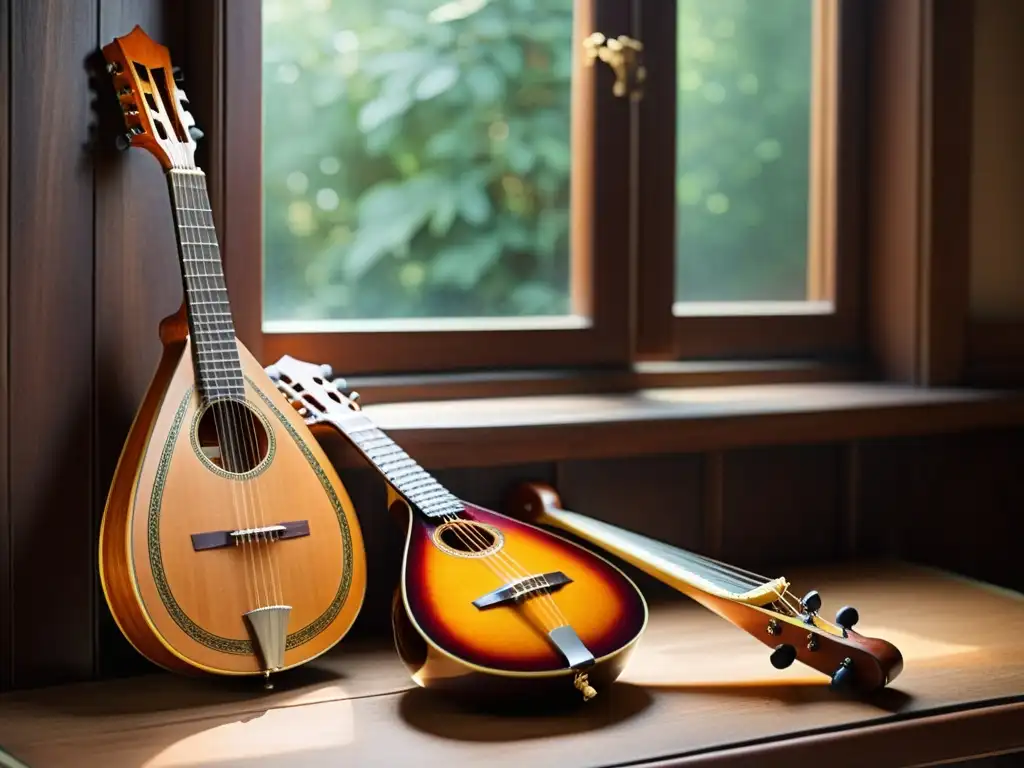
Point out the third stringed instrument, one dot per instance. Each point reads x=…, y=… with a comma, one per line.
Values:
x=486, y=604
x=228, y=543
x=763, y=607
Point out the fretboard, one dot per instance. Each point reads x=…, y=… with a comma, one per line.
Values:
x=406, y=476
x=211, y=330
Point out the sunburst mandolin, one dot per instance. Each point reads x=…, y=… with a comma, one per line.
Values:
x=487, y=606
x=765, y=608
x=228, y=543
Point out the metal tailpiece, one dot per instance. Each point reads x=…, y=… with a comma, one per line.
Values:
x=270, y=629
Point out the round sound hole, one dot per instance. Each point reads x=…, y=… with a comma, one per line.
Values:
x=467, y=538
x=232, y=438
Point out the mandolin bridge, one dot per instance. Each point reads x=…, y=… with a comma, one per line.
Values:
x=262, y=534
x=520, y=588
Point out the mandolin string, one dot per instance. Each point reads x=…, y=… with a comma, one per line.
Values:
x=554, y=612
x=229, y=447
x=247, y=427
x=501, y=567
x=196, y=311
x=510, y=566
x=224, y=441
x=737, y=576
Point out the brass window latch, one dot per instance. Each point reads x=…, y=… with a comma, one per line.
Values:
x=622, y=54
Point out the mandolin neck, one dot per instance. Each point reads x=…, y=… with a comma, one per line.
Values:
x=417, y=486
x=689, y=573
x=218, y=368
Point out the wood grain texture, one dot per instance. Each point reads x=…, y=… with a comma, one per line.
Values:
x=696, y=689
x=138, y=283
x=896, y=112
x=5, y=636
x=920, y=193
x=947, y=177
x=782, y=505
x=5, y=180
x=51, y=309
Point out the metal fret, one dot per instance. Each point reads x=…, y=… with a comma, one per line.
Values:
x=407, y=477
x=215, y=354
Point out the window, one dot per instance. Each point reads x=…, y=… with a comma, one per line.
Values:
x=750, y=237
x=457, y=185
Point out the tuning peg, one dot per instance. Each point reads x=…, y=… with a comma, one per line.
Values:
x=113, y=68
x=195, y=133
x=326, y=372
x=354, y=397
x=273, y=372
x=124, y=141
x=783, y=656
x=842, y=678
x=130, y=110
x=124, y=90
x=340, y=384
x=811, y=602
x=847, y=616
x=178, y=76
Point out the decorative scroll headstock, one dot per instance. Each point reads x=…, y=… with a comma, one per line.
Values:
x=312, y=390
x=152, y=103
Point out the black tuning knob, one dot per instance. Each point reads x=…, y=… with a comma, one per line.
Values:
x=178, y=77
x=783, y=656
x=195, y=133
x=123, y=141
x=847, y=616
x=842, y=678
x=811, y=602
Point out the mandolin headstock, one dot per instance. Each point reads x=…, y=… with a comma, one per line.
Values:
x=312, y=390
x=151, y=101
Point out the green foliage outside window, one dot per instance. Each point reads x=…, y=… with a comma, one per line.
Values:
x=417, y=155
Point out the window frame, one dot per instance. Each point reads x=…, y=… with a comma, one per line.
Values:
x=827, y=326
x=601, y=282
x=904, y=239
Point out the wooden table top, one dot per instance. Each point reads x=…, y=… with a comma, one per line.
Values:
x=697, y=692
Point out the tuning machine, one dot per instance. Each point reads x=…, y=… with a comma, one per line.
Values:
x=810, y=604
x=847, y=616
x=124, y=141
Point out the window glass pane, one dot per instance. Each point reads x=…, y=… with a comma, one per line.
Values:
x=416, y=158
x=744, y=122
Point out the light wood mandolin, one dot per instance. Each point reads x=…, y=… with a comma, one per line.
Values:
x=486, y=605
x=228, y=543
x=763, y=607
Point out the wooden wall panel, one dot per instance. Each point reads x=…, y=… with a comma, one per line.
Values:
x=953, y=502
x=51, y=311
x=138, y=282
x=5, y=521
x=782, y=506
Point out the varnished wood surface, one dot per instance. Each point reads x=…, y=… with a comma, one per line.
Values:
x=321, y=576
x=489, y=431
x=50, y=314
x=697, y=692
